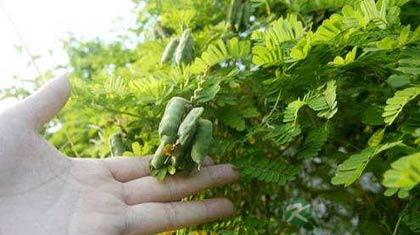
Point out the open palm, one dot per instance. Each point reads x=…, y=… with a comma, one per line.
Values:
x=44, y=192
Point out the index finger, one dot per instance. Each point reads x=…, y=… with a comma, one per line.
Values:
x=149, y=189
x=149, y=218
x=125, y=169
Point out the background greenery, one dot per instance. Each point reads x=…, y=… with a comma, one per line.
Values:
x=311, y=99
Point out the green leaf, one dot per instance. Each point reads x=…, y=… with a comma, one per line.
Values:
x=390, y=191
x=325, y=103
x=376, y=138
x=329, y=29
x=397, y=81
x=291, y=112
x=387, y=44
x=314, y=142
x=263, y=169
x=128, y=154
x=372, y=116
x=338, y=60
x=284, y=133
x=410, y=216
x=221, y=51
x=301, y=49
x=136, y=149
x=404, y=36
x=267, y=57
x=350, y=56
x=209, y=92
x=250, y=112
x=416, y=35
x=397, y=102
x=352, y=168
x=404, y=173
x=270, y=51
x=235, y=121
x=403, y=193
x=375, y=13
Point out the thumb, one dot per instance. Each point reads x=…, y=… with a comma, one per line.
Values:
x=45, y=103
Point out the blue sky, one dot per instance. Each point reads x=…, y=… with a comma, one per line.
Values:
x=43, y=23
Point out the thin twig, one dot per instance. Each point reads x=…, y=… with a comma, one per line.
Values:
x=117, y=111
x=274, y=107
x=267, y=7
x=396, y=226
x=73, y=148
x=25, y=45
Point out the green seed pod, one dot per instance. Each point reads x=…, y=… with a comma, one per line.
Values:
x=171, y=119
x=159, y=31
x=231, y=14
x=184, y=52
x=117, y=145
x=186, y=133
x=247, y=13
x=169, y=51
x=202, y=141
x=238, y=18
x=180, y=153
x=159, y=158
x=187, y=128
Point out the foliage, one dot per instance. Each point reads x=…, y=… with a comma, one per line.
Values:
x=411, y=215
x=404, y=175
x=395, y=104
x=352, y=168
x=309, y=99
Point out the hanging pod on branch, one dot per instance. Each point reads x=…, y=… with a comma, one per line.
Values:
x=168, y=54
x=184, y=52
x=201, y=143
x=231, y=13
x=168, y=129
x=172, y=116
x=238, y=14
x=187, y=128
x=117, y=144
x=181, y=50
x=186, y=133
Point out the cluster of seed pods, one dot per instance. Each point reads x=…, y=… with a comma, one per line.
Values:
x=179, y=50
x=185, y=138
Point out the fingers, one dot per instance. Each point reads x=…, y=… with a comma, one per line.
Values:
x=44, y=104
x=151, y=218
x=149, y=189
x=125, y=169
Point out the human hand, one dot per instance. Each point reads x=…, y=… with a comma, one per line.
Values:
x=44, y=192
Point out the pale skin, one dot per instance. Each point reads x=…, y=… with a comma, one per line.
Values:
x=44, y=192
